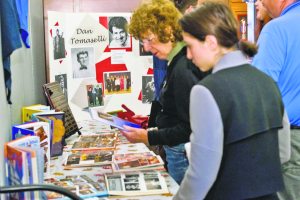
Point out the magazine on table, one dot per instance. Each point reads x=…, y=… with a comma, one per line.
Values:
x=103, y=141
x=134, y=161
x=89, y=158
x=56, y=121
x=136, y=183
x=84, y=186
x=111, y=119
x=40, y=129
x=24, y=163
x=131, y=148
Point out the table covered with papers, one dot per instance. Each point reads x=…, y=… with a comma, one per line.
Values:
x=101, y=164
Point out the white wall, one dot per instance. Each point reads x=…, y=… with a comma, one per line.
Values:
x=28, y=76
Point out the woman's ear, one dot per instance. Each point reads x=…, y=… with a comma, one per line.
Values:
x=211, y=42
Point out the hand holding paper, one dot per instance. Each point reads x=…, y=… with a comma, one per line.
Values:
x=135, y=135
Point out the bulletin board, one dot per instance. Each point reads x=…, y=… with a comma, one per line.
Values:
x=117, y=71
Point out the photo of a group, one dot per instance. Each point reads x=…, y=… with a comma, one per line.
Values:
x=117, y=82
x=95, y=95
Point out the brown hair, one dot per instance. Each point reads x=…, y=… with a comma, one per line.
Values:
x=216, y=18
x=156, y=16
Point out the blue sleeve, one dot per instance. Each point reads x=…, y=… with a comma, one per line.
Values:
x=271, y=51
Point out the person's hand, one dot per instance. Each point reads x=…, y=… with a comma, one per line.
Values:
x=135, y=135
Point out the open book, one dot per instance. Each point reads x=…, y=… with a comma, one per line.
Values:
x=111, y=119
x=82, y=185
x=89, y=158
x=136, y=161
x=105, y=141
x=136, y=183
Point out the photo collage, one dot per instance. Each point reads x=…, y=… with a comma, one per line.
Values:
x=136, y=183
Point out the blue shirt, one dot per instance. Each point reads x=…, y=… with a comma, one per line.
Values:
x=160, y=70
x=278, y=56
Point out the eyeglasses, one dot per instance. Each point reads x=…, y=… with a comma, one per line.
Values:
x=148, y=41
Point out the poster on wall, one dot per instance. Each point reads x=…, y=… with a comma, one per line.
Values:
x=94, y=51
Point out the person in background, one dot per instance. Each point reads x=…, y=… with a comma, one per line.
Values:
x=279, y=58
x=118, y=30
x=235, y=114
x=155, y=23
x=160, y=66
x=185, y=6
x=262, y=17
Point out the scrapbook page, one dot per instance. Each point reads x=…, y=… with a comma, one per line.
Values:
x=103, y=141
x=136, y=183
x=89, y=158
x=134, y=161
x=82, y=185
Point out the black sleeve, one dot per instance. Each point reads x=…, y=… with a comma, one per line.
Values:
x=183, y=79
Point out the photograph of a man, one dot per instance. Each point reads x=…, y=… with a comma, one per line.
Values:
x=62, y=80
x=118, y=37
x=147, y=89
x=59, y=45
x=83, y=62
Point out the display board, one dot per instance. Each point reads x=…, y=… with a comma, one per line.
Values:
x=97, y=62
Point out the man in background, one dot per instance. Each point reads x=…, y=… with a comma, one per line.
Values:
x=278, y=57
x=118, y=30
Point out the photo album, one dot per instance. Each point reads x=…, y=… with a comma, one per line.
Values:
x=136, y=183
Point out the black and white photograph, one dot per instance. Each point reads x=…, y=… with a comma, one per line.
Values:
x=114, y=183
x=83, y=63
x=131, y=180
x=58, y=44
x=143, y=52
x=153, y=184
x=118, y=34
x=117, y=82
x=62, y=80
x=132, y=186
x=148, y=89
x=95, y=95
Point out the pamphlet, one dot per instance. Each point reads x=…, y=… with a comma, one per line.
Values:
x=111, y=119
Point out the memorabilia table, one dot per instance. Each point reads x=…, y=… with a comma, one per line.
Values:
x=58, y=169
